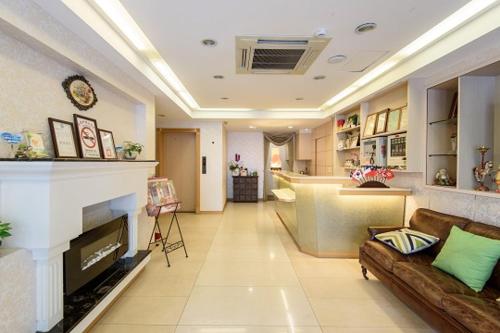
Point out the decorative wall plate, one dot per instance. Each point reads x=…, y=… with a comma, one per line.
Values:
x=80, y=92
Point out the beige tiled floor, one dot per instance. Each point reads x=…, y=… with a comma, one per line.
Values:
x=245, y=275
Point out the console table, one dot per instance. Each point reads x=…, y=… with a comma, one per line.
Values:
x=245, y=188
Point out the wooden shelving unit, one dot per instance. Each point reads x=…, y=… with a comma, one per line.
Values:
x=343, y=154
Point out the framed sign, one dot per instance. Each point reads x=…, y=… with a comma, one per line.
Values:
x=86, y=133
x=80, y=92
x=394, y=120
x=370, y=125
x=34, y=141
x=63, y=138
x=107, y=145
x=381, y=122
x=403, y=123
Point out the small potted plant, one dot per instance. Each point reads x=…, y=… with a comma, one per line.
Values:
x=132, y=150
x=235, y=168
x=5, y=229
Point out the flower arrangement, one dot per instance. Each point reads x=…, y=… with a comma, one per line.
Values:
x=132, y=149
x=372, y=176
x=233, y=165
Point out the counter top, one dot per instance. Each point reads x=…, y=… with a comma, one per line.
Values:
x=298, y=178
x=374, y=191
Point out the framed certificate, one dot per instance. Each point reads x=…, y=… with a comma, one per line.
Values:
x=63, y=138
x=370, y=125
x=394, y=120
x=381, y=122
x=86, y=133
x=107, y=145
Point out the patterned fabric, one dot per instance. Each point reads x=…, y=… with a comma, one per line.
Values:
x=407, y=241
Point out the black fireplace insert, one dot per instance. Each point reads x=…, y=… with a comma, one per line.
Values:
x=93, y=252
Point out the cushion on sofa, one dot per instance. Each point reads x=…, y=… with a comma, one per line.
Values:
x=407, y=241
x=430, y=282
x=477, y=314
x=436, y=224
x=489, y=231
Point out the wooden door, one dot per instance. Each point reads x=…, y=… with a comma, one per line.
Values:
x=179, y=164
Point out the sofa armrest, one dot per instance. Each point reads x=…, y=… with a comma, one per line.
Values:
x=373, y=231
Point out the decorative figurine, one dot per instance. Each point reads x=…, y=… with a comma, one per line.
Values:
x=483, y=170
x=442, y=178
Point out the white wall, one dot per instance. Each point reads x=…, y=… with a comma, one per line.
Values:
x=31, y=91
x=211, y=145
x=250, y=145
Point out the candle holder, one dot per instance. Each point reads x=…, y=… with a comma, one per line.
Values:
x=482, y=170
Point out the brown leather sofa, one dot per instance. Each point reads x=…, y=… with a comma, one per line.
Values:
x=444, y=302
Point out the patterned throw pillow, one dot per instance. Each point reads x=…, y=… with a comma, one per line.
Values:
x=407, y=241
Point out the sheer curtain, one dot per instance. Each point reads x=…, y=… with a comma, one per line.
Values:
x=278, y=140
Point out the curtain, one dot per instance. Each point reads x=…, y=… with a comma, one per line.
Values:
x=278, y=140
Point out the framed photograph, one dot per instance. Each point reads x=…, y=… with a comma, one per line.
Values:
x=79, y=92
x=34, y=140
x=394, y=120
x=63, y=138
x=381, y=122
x=403, y=123
x=86, y=133
x=107, y=145
x=370, y=125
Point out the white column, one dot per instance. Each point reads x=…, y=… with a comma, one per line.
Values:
x=133, y=232
x=49, y=286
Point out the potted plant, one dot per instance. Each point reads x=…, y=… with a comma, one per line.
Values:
x=132, y=150
x=5, y=229
x=235, y=168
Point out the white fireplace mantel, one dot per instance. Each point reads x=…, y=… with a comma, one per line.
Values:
x=44, y=201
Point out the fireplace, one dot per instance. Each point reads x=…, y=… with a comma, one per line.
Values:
x=93, y=252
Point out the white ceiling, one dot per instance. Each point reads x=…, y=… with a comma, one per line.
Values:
x=176, y=29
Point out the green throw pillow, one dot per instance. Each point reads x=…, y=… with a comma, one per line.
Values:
x=407, y=241
x=468, y=257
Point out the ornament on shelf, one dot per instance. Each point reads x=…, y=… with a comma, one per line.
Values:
x=442, y=178
x=372, y=177
x=482, y=170
x=11, y=139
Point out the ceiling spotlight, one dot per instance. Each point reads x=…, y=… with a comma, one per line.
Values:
x=365, y=27
x=319, y=77
x=299, y=98
x=290, y=127
x=218, y=77
x=224, y=98
x=252, y=127
x=337, y=59
x=208, y=42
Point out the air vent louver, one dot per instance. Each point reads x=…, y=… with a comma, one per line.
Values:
x=277, y=56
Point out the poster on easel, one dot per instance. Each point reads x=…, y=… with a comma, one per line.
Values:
x=161, y=193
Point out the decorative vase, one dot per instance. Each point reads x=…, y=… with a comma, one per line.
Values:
x=236, y=172
x=130, y=155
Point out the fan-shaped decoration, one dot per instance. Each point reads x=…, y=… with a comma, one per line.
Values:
x=372, y=177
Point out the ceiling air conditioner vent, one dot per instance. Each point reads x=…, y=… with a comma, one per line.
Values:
x=287, y=55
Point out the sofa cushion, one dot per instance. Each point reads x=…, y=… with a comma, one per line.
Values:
x=407, y=241
x=436, y=224
x=382, y=254
x=429, y=282
x=476, y=313
x=493, y=232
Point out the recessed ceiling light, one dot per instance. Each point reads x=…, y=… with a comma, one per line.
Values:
x=299, y=98
x=365, y=27
x=252, y=127
x=224, y=98
x=337, y=59
x=290, y=127
x=218, y=77
x=209, y=42
x=319, y=77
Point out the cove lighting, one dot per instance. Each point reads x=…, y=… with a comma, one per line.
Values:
x=115, y=11
x=450, y=23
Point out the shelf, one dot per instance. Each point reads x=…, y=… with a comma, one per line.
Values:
x=347, y=130
x=443, y=154
x=452, y=121
x=345, y=149
x=375, y=191
x=383, y=134
x=490, y=194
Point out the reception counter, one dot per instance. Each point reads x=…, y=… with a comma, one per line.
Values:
x=328, y=216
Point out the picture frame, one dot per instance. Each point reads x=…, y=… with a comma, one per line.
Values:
x=63, y=138
x=34, y=140
x=370, y=125
x=88, y=137
x=403, y=123
x=393, y=120
x=381, y=121
x=79, y=92
x=354, y=143
x=107, y=145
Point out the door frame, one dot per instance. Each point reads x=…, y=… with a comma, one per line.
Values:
x=160, y=156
